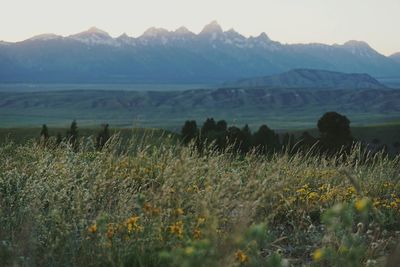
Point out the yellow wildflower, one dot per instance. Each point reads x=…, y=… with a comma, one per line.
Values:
x=241, y=257
x=312, y=196
x=318, y=254
x=201, y=220
x=197, y=233
x=361, y=204
x=110, y=230
x=376, y=202
x=132, y=224
x=93, y=228
x=189, y=250
x=179, y=211
x=177, y=229
x=301, y=191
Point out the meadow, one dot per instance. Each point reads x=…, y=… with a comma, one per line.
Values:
x=141, y=203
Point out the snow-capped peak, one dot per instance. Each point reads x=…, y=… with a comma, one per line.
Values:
x=45, y=37
x=94, y=36
x=93, y=31
x=96, y=31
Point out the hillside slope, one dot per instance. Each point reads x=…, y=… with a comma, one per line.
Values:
x=310, y=78
x=296, y=108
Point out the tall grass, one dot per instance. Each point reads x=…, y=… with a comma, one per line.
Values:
x=139, y=204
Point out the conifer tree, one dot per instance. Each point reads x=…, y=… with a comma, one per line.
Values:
x=102, y=137
x=72, y=135
x=44, y=134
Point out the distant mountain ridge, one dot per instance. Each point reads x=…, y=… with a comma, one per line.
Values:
x=310, y=78
x=161, y=56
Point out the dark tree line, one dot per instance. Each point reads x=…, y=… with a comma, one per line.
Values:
x=334, y=128
x=72, y=136
x=222, y=137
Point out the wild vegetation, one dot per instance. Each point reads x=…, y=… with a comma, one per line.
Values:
x=140, y=204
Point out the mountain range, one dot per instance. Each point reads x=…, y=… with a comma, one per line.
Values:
x=180, y=56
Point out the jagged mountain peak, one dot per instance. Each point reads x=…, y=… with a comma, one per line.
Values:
x=123, y=36
x=212, y=28
x=263, y=36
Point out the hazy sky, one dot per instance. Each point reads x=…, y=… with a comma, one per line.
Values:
x=289, y=21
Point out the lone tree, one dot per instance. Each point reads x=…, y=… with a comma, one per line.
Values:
x=102, y=137
x=44, y=134
x=189, y=131
x=72, y=135
x=335, y=132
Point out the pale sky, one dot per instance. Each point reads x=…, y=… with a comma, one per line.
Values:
x=288, y=21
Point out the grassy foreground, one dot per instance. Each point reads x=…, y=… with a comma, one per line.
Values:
x=165, y=205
